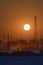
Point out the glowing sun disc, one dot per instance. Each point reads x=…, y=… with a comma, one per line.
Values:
x=26, y=27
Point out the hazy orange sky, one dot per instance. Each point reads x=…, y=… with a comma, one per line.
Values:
x=15, y=13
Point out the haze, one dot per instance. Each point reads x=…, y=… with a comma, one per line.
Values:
x=15, y=13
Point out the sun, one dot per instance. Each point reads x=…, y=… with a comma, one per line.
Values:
x=26, y=27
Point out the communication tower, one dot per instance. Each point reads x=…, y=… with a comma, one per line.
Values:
x=35, y=28
x=36, y=41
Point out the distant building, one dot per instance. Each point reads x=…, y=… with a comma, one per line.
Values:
x=41, y=43
x=11, y=45
x=23, y=42
x=1, y=42
x=1, y=45
x=8, y=45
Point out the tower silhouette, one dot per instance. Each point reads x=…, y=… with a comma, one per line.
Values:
x=36, y=41
x=35, y=29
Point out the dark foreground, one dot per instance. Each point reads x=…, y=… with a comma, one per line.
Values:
x=20, y=53
x=21, y=60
